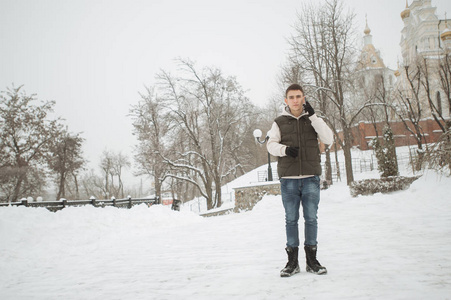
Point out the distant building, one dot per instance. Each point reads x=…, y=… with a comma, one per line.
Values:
x=372, y=76
x=423, y=35
x=371, y=62
x=422, y=31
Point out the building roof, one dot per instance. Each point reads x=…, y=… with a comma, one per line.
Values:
x=369, y=58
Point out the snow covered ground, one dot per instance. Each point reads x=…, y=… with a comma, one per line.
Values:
x=385, y=246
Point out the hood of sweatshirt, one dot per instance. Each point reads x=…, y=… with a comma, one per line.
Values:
x=286, y=112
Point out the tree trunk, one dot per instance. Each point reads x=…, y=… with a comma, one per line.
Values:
x=337, y=164
x=18, y=187
x=209, y=192
x=328, y=166
x=121, y=186
x=218, y=194
x=77, y=192
x=61, y=191
x=347, y=153
x=22, y=170
x=157, y=184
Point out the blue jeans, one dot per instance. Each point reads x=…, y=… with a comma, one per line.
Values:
x=295, y=192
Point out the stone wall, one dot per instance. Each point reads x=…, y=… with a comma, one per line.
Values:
x=246, y=197
x=217, y=213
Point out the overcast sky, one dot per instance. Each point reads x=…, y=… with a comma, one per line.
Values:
x=93, y=57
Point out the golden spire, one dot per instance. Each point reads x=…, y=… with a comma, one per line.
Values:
x=397, y=73
x=405, y=13
x=446, y=34
x=367, y=29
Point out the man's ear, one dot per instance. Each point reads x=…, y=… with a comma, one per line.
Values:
x=286, y=101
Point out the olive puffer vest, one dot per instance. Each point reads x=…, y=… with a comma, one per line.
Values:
x=299, y=133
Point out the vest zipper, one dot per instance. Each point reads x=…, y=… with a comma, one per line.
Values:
x=299, y=144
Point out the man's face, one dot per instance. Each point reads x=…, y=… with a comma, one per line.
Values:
x=295, y=101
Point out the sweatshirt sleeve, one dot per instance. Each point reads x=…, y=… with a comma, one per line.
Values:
x=325, y=134
x=273, y=145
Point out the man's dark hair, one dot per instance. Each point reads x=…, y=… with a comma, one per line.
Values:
x=294, y=87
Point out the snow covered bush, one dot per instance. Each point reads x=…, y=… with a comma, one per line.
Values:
x=382, y=185
x=438, y=156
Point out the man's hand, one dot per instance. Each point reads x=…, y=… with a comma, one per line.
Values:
x=309, y=109
x=292, y=151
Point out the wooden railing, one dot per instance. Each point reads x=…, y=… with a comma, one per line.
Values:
x=58, y=205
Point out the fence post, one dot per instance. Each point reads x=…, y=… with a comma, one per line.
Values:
x=24, y=202
x=176, y=204
x=129, y=201
x=64, y=202
x=93, y=200
x=114, y=201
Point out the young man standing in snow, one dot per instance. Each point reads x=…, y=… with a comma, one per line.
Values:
x=293, y=138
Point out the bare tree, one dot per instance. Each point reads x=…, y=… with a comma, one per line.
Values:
x=438, y=156
x=428, y=68
x=151, y=126
x=106, y=167
x=92, y=185
x=209, y=111
x=25, y=132
x=417, y=99
x=322, y=56
x=65, y=159
x=410, y=108
x=112, y=165
x=444, y=70
x=120, y=162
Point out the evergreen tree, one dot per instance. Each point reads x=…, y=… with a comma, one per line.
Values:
x=386, y=154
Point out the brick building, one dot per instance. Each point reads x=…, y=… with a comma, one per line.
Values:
x=364, y=132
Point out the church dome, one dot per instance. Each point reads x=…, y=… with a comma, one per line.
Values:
x=367, y=29
x=446, y=34
x=397, y=73
x=405, y=13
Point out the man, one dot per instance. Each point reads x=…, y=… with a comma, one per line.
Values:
x=293, y=138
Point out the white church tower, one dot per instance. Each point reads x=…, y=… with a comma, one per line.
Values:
x=425, y=35
x=370, y=57
x=422, y=31
x=370, y=67
x=445, y=36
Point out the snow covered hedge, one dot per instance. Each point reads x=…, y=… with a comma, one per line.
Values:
x=382, y=185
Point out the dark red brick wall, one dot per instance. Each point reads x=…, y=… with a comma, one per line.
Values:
x=363, y=133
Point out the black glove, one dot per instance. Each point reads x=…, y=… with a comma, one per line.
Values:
x=309, y=109
x=292, y=151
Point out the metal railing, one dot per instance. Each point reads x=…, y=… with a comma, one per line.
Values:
x=359, y=165
x=263, y=175
x=58, y=205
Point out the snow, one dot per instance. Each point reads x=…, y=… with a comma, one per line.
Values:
x=199, y=205
x=384, y=246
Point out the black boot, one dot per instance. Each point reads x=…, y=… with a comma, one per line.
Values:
x=313, y=265
x=292, y=266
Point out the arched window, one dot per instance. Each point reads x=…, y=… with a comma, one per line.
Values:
x=439, y=103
